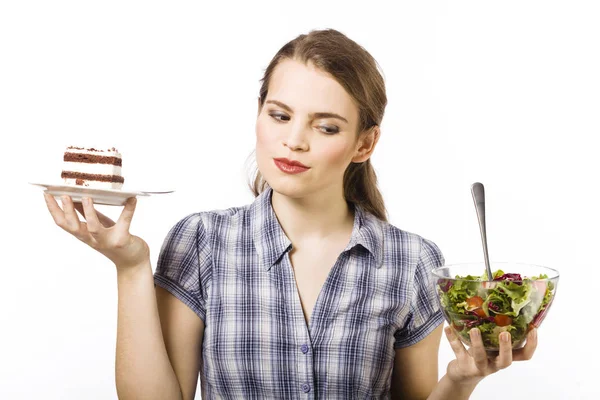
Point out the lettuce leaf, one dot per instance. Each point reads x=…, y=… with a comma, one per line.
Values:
x=518, y=294
x=454, y=299
x=501, y=304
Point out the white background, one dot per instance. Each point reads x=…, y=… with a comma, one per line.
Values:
x=506, y=93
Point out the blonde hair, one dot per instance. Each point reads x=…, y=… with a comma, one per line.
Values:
x=358, y=73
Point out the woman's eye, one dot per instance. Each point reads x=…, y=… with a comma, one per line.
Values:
x=327, y=129
x=330, y=130
x=280, y=117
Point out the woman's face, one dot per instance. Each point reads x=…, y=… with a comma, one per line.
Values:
x=307, y=117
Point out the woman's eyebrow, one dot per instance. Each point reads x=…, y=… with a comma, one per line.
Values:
x=315, y=115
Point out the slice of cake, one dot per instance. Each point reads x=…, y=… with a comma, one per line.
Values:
x=93, y=168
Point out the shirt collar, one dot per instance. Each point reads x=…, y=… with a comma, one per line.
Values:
x=367, y=232
x=272, y=243
x=270, y=240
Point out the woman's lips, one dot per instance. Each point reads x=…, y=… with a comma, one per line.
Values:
x=290, y=166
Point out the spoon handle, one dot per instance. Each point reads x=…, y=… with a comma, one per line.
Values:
x=478, y=193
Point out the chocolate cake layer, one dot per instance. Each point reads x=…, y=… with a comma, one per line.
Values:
x=92, y=159
x=92, y=177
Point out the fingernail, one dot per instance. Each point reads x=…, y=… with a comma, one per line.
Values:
x=504, y=337
x=475, y=332
x=65, y=198
x=85, y=200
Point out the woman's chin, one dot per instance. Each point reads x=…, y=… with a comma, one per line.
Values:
x=288, y=187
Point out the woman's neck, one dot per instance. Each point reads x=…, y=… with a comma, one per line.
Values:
x=312, y=219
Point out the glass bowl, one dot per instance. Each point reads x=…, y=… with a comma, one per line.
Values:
x=517, y=300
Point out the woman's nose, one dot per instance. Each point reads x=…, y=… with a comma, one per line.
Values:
x=297, y=139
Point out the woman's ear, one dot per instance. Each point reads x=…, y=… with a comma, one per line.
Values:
x=366, y=144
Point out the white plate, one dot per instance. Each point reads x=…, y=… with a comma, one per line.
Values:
x=111, y=197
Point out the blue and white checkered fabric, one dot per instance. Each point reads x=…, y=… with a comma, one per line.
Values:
x=232, y=268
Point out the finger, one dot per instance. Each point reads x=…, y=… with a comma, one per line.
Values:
x=83, y=234
x=127, y=213
x=478, y=350
x=505, y=357
x=457, y=347
x=104, y=220
x=526, y=353
x=71, y=216
x=56, y=212
x=93, y=224
x=74, y=227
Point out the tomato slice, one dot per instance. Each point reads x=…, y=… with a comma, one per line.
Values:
x=474, y=302
x=502, y=320
x=480, y=313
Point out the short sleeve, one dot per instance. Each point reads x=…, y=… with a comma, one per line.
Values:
x=184, y=263
x=425, y=314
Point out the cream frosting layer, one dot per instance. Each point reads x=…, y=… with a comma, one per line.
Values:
x=87, y=168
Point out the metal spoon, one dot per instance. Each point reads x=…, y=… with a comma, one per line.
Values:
x=479, y=199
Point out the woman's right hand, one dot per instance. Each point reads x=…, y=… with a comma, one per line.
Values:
x=111, y=239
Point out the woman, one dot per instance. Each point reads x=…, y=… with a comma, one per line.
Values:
x=308, y=292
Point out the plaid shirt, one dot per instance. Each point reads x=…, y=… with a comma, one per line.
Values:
x=232, y=268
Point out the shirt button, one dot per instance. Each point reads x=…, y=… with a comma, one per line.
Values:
x=304, y=348
x=305, y=388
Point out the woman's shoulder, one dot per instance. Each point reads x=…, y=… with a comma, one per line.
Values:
x=395, y=239
x=219, y=218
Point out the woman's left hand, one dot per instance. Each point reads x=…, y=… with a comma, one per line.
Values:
x=473, y=365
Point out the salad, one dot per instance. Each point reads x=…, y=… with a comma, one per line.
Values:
x=509, y=303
